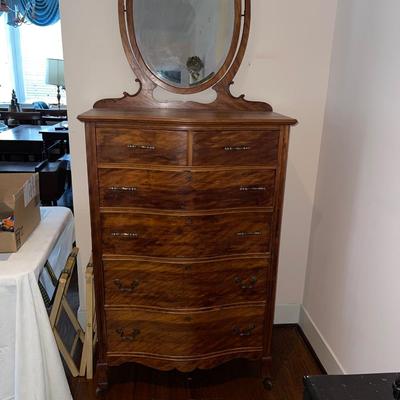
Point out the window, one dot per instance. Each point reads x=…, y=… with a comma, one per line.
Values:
x=24, y=67
x=6, y=74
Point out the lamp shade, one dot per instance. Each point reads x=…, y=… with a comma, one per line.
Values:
x=55, y=72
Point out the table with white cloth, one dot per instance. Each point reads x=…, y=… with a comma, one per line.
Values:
x=30, y=364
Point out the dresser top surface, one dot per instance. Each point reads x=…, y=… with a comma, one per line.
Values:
x=175, y=116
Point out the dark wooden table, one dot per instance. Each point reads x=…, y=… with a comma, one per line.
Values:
x=21, y=167
x=57, y=132
x=30, y=142
x=53, y=118
x=24, y=141
x=349, y=387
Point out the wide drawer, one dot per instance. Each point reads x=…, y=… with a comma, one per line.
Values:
x=186, y=190
x=236, y=148
x=184, y=334
x=186, y=285
x=161, y=235
x=124, y=145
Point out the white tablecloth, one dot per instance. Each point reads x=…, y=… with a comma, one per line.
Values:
x=30, y=364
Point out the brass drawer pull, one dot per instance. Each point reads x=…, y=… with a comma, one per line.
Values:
x=128, y=338
x=252, y=188
x=237, y=148
x=244, y=332
x=123, y=189
x=246, y=286
x=244, y=234
x=125, y=235
x=126, y=289
x=141, y=147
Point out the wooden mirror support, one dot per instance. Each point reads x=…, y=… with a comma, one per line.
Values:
x=221, y=82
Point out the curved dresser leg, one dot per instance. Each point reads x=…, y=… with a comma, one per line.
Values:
x=266, y=368
x=102, y=378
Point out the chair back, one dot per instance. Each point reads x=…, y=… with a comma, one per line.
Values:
x=24, y=118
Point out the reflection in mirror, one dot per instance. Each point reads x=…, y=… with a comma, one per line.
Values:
x=184, y=42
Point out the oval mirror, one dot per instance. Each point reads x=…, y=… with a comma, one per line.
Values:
x=185, y=44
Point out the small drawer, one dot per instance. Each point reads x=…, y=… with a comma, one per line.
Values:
x=209, y=235
x=124, y=145
x=184, y=334
x=236, y=148
x=188, y=285
x=186, y=190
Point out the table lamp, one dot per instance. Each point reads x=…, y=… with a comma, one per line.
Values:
x=55, y=75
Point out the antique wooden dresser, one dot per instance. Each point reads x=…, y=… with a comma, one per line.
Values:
x=186, y=205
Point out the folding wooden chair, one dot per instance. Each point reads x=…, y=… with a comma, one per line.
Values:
x=90, y=331
x=61, y=304
x=87, y=337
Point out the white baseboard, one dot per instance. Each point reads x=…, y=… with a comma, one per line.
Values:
x=287, y=314
x=319, y=344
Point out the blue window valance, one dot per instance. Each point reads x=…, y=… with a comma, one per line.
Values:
x=39, y=12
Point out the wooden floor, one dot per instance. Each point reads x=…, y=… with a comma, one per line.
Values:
x=236, y=380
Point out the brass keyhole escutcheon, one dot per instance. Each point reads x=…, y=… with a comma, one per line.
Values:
x=188, y=175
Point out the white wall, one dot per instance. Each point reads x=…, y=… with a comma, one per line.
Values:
x=352, y=295
x=287, y=64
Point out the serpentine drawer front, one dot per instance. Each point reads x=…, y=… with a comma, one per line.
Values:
x=189, y=335
x=186, y=285
x=210, y=235
x=187, y=189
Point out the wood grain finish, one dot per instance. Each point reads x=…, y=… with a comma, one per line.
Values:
x=191, y=335
x=186, y=285
x=175, y=118
x=186, y=190
x=132, y=145
x=186, y=236
x=236, y=148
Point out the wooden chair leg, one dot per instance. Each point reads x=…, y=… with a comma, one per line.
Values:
x=55, y=311
x=90, y=335
x=74, y=321
x=66, y=355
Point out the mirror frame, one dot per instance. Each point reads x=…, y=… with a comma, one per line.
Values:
x=131, y=33
x=221, y=83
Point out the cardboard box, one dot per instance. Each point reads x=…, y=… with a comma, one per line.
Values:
x=19, y=199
